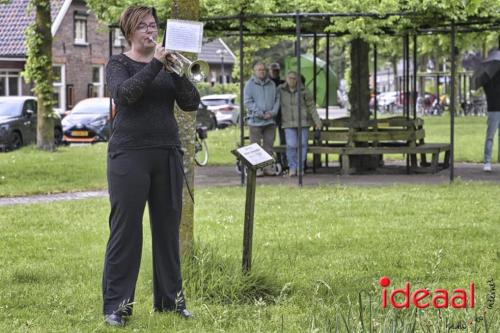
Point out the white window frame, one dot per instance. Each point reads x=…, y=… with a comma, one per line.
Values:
x=99, y=86
x=9, y=73
x=119, y=39
x=80, y=24
x=61, y=88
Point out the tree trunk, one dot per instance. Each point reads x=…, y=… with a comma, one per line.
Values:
x=394, y=64
x=422, y=68
x=187, y=10
x=359, y=94
x=44, y=89
x=359, y=97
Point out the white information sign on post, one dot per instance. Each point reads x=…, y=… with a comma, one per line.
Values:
x=184, y=36
x=254, y=154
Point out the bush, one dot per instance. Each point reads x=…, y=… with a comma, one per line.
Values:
x=205, y=88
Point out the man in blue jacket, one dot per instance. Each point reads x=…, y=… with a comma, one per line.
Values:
x=262, y=102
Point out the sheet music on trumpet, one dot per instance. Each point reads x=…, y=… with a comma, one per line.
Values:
x=184, y=36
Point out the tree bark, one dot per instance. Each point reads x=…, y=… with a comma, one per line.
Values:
x=44, y=93
x=359, y=94
x=422, y=68
x=359, y=98
x=187, y=10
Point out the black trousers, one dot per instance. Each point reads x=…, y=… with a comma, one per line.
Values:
x=135, y=177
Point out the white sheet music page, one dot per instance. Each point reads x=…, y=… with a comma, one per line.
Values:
x=254, y=154
x=184, y=36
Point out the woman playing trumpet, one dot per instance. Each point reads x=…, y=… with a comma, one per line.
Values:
x=182, y=66
x=144, y=165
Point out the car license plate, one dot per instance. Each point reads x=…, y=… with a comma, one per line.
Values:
x=79, y=133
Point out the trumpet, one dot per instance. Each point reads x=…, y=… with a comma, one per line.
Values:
x=195, y=71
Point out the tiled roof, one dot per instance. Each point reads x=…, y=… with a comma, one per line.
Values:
x=13, y=23
x=209, y=52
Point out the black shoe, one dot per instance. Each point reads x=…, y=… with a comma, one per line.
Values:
x=114, y=320
x=184, y=313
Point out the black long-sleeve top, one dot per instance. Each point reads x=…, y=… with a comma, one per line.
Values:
x=144, y=96
x=492, y=91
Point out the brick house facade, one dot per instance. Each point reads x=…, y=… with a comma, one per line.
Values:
x=79, y=52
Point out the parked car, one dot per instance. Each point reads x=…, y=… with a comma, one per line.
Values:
x=18, y=122
x=388, y=98
x=88, y=121
x=389, y=101
x=205, y=117
x=225, y=109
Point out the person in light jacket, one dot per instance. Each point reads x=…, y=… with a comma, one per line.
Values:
x=290, y=119
x=262, y=102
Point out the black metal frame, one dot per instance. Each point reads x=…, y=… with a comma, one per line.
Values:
x=473, y=24
x=447, y=27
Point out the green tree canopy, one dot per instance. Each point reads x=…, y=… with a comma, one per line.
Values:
x=373, y=30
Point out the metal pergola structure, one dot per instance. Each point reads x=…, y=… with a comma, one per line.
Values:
x=313, y=25
x=312, y=22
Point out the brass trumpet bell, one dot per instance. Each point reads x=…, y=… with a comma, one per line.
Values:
x=195, y=71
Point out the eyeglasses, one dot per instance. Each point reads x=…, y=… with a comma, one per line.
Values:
x=143, y=27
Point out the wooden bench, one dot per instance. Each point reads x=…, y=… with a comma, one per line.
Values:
x=427, y=148
x=337, y=135
x=395, y=135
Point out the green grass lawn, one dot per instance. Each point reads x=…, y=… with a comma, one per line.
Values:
x=314, y=251
x=470, y=133
x=78, y=168
x=69, y=169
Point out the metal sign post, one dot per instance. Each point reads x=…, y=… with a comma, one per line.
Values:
x=252, y=157
x=248, y=226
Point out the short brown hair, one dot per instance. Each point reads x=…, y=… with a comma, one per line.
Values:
x=132, y=17
x=258, y=63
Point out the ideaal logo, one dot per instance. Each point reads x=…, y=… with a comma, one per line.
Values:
x=423, y=298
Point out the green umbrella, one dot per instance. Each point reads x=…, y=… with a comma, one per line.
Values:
x=307, y=70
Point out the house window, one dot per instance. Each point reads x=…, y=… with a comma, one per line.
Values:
x=223, y=79
x=70, y=96
x=97, y=89
x=10, y=83
x=90, y=90
x=58, y=77
x=80, y=29
x=119, y=39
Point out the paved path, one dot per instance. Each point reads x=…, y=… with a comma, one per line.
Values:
x=395, y=173
x=51, y=197
x=227, y=176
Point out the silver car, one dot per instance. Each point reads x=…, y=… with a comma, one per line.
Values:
x=225, y=108
x=88, y=121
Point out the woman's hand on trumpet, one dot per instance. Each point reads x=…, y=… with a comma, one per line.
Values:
x=163, y=55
